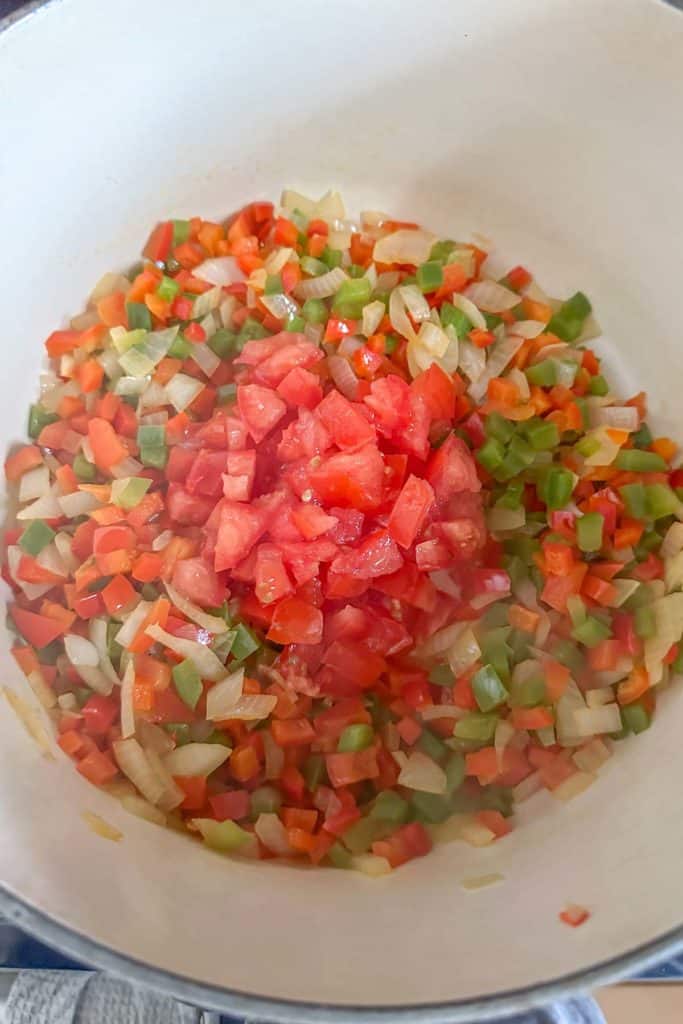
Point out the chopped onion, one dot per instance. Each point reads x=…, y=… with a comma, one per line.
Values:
x=491, y=296
x=422, y=774
x=528, y=328
x=36, y=483
x=182, y=390
x=600, y=696
x=272, y=834
x=504, y=733
x=321, y=287
x=573, y=786
x=173, y=795
x=592, y=757
x=622, y=417
x=432, y=338
x=252, y=708
x=673, y=541
x=593, y=721
x=415, y=302
x=314, y=333
x=607, y=449
x=131, y=385
x=668, y=613
x=209, y=325
x=387, y=281
x=444, y=582
x=207, y=360
x=501, y=520
x=203, y=659
x=80, y=503
x=42, y=691
x=569, y=703
x=196, y=759
x=98, y=637
x=31, y=720
x=277, y=259
x=280, y=306
x=464, y=651
x=80, y=651
x=433, y=711
x=222, y=698
x=407, y=245
x=501, y=352
x=373, y=314
x=527, y=787
x=226, y=310
x=127, y=709
x=330, y=207
x=475, y=834
x=219, y=270
x=291, y=201
x=32, y=590
x=440, y=641
x=212, y=623
x=130, y=628
x=371, y=865
x=521, y=382
x=135, y=764
x=274, y=757
x=466, y=306
x=348, y=345
x=63, y=544
x=162, y=541
x=625, y=589
x=400, y=320
x=370, y=274
x=107, y=285
x=46, y=507
x=142, y=808
x=481, y=881
x=68, y=702
x=472, y=359
x=343, y=376
x=101, y=827
x=126, y=468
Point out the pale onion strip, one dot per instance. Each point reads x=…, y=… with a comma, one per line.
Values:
x=134, y=763
x=422, y=774
x=107, y=285
x=343, y=376
x=36, y=482
x=481, y=881
x=504, y=733
x=467, y=307
x=252, y=707
x=101, y=827
x=206, y=302
x=49, y=506
x=600, y=696
x=621, y=417
x=32, y=590
x=527, y=328
x=527, y=787
x=445, y=584
x=400, y=320
x=207, y=360
x=321, y=287
x=502, y=520
x=492, y=297
x=274, y=757
x=126, y=468
x=204, y=660
x=668, y=612
x=440, y=641
x=432, y=338
x=127, y=709
x=273, y=835
x=172, y=795
x=196, y=759
x=415, y=302
x=521, y=382
x=31, y=720
x=373, y=313
x=475, y=834
x=142, y=808
x=131, y=626
x=63, y=545
x=407, y=245
x=592, y=721
x=277, y=259
x=212, y=623
x=182, y=390
x=573, y=786
x=280, y=306
x=592, y=757
x=223, y=697
x=472, y=359
x=434, y=711
x=162, y=541
x=371, y=865
x=464, y=651
x=42, y=691
x=68, y=702
x=501, y=352
x=673, y=541
x=80, y=503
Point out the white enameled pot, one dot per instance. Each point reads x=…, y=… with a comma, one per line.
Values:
x=554, y=127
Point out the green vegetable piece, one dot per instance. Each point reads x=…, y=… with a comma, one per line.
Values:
x=314, y=311
x=543, y=374
x=598, y=386
x=339, y=857
x=264, y=800
x=568, y=322
x=355, y=737
x=179, y=730
x=125, y=340
x=223, y=343
x=634, y=497
x=476, y=726
x=635, y=718
x=139, y=317
x=568, y=654
x=431, y=745
x=451, y=316
x=555, y=487
x=635, y=461
x=430, y=807
x=491, y=454
x=512, y=496
x=244, y=644
x=154, y=456
x=455, y=772
x=250, y=330
x=188, y=683
x=181, y=231
x=390, y=343
x=180, y=348
x=488, y=689
x=84, y=470
x=498, y=427
x=36, y=537
x=529, y=694
x=315, y=772
x=331, y=257
x=129, y=492
x=441, y=675
x=313, y=267
x=354, y=292
x=660, y=501
x=39, y=418
x=442, y=250
x=591, y=632
x=167, y=290
x=363, y=833
x=295, y=324
x=391, y=807
x=521, y=451
x=589, y=531
x=273, y=285
x=643, y=437
x=223, y=836
x=429, y=276
x=542, y=435
x=644, y=621
x=227, y=393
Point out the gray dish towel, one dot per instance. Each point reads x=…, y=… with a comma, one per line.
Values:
x=81, y=997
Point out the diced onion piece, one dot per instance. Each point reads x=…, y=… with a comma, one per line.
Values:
x=31, y=720
x=126, y=468
x=464, y=651
x=373, y=314
x=211, y=623
x=504, y=733
x=570, y=702
x=466, y=306
x=173, y=795
x=107, y=285
x=130, y=628
x=594, y=721
x=62, y=542
x=621, y=417
x=528, y=328
x=573, y=786
x=407, y=245
x=371, y=865
x=80, y=503
x=272, y=834
x=101, y=827
x=527, y=787
x=491, y=296
x=68, y=702
x=182, y=390
x=127, y=709
x=45, y=507
x=343, y=376
x=387, y=281
x=475, y=834
x=600, y=696
x=432, y=338
x=481, y=881
x=520, y=381
x=501, y=352
x=274, y=757
x=153, y=737
x=280, y=306
x=206, y=302
x=32, y=590
x=433, y=711
x=321, y=287
x=204, y=660
x=416, y=303
x=207, y=360
x=444, y=582
x=98, y=637
x=330, y=207
x=422, y=774
x=131, y=385
x=277, y=259
x=501, y=520
x=134, y=763
x=80, y=651
x=668, y=613
x=42, y=691
x=219, y=270
x=625, y=589
x=142, y=808
x=400, y=320
x=673, y=541
x=472, y=359
x=162, y=541
x=36, y=482
x=222, y=698
x=291, y=201
x=195, y=759
x=592, y=757
x=440, y=641
x=607, y=449
x=252, y=707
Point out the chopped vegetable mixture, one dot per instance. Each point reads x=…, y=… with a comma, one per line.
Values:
x=328, y=543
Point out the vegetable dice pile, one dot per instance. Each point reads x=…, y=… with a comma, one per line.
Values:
x=329, y=545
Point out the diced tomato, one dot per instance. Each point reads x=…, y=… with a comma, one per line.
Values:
x=350, y=479
x=204, y=477
x=198, y=582
x=451, y=469
x=345, y=769
x=410, y=511
x=260, y=408
x=296, y=622
x=300, y=387
x=345, y=422
x=231, y=806
x=405, y=844
x=99, y=714
x=239, y=528
x=438, y=391
x=377, y=555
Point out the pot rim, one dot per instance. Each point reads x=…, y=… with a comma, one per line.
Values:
x=45, y=928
